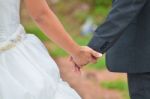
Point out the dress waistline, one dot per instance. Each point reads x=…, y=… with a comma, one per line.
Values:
x=14, y=39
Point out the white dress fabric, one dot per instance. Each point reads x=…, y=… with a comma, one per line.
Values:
x=26, y=69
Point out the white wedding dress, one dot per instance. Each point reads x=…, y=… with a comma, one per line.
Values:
x=26, y=69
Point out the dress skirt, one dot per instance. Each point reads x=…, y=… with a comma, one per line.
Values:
x=27, y=71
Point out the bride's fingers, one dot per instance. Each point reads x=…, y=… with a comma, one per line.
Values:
x=77, y=70
x=70, y=58
x=75, y=66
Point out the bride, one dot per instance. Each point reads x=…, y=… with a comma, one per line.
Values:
x=26, y=69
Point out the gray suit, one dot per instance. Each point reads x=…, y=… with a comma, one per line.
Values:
x=125, y=37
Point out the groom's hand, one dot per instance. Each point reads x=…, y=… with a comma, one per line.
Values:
x=84, y=56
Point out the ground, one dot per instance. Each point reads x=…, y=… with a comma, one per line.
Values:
x=88, y=83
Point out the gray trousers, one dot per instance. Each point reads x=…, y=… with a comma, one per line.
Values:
x=139, y=85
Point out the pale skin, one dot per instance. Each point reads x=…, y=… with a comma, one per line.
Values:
x=51, y=26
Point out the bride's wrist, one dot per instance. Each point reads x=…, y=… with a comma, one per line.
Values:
x=75, y=50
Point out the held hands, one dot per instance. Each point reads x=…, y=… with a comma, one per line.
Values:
x=84, y=56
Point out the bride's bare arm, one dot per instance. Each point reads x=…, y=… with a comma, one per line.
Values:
x=49, y=23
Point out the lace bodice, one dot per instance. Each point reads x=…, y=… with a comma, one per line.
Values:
x=9, y=18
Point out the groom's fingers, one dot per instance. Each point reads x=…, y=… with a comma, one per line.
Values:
x=96, y=54
x=93, y=60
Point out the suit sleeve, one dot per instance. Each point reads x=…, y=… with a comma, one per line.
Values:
x=120, y=16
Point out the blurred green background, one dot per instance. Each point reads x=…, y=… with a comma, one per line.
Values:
x=73, y=14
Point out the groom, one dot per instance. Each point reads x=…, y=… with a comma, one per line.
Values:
x=125, y=37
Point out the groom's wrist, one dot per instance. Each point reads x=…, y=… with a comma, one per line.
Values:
x=98, y=45
x=95, y=48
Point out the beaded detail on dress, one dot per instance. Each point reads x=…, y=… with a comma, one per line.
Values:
x=14, y=39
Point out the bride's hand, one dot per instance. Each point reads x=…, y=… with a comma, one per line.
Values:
x=84, y=56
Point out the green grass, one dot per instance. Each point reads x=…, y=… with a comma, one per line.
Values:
x=115, y=85
x=99, y=65
x=32, y=28
x=57, y=52
x=125, y=95
x=118, y=85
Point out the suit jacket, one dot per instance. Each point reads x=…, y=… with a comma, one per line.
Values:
x=125, y=37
